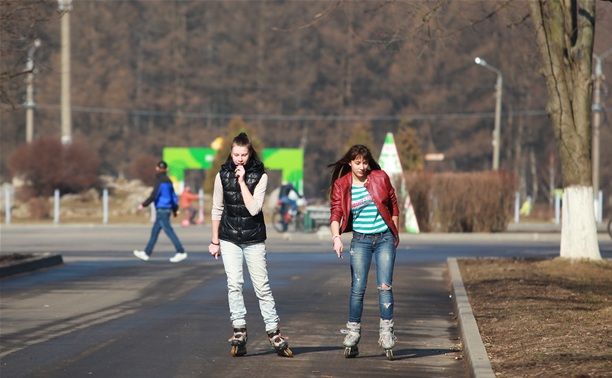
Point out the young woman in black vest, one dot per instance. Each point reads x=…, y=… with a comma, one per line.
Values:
x=238, y=234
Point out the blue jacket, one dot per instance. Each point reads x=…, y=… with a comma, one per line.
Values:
x=163, y=194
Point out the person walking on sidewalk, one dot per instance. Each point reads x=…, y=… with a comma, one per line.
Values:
x=363, y=201
x=166, y=202
x=238, y=234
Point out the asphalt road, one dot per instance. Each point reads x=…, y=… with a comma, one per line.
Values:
x=104, y=313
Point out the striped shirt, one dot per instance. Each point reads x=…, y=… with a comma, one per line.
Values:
x=366, y=218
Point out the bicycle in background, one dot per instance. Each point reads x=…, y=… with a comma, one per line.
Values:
x=284, y=221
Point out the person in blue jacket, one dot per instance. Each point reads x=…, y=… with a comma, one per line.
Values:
x=166, y=202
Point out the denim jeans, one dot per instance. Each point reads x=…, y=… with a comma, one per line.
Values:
x=363, y=248
x=233, y=260
x=162, y=221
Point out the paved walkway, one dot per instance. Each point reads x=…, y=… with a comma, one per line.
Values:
x=432, y=302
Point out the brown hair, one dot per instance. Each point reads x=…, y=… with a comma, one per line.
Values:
x=341, y=167
x=243, y=140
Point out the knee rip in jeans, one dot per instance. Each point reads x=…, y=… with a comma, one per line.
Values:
x=384, y=287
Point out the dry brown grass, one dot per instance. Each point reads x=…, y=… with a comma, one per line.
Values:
x=543, y=318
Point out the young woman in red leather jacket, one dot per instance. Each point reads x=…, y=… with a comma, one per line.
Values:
x=363, y=201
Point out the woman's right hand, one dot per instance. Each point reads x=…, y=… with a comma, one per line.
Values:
x=338, y=247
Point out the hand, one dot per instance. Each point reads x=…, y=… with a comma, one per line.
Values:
x=214, y=250
x=140, y=207
x=338, y=247
x=239, y=172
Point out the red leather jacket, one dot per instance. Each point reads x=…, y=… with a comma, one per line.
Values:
x=379, y=186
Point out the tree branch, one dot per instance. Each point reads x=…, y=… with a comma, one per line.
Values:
x=318, y=18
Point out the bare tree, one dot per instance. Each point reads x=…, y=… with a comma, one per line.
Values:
x=17, y=28
x=565, y=31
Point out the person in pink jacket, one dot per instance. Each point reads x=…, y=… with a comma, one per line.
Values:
x=363, y=201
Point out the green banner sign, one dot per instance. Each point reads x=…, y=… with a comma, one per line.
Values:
x=288, y=160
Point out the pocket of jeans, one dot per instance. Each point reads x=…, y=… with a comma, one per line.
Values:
x=389, y=238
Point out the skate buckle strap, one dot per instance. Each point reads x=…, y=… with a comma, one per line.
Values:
x=279, y=337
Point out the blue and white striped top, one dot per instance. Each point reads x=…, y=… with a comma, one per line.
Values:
x=366, y=218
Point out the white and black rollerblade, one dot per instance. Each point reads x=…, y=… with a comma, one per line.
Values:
x=387, y=338
x=353, y=334
x=238, y=341
x=279, y=343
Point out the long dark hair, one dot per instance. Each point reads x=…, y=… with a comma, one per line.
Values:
x=341, y=167
x=243, y=140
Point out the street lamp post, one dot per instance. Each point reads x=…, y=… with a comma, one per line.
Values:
x=65, y=6
x=29, y=104
x=597, y=110
x=498, y=104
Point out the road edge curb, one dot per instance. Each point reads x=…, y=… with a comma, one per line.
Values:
x=479, y=365
x=41, y=261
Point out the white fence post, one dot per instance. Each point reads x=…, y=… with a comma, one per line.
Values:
x=599, y=207
x=7, y=203
x=557, y=208
x=105, y=206
x=56, y=206
x=201, y=204
x=517, y=207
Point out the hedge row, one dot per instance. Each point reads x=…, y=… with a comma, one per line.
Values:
x=462, y=202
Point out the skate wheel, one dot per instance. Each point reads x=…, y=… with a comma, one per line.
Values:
x=238, y=351
x=287, y=353
x=389, y=354
x=351, y=352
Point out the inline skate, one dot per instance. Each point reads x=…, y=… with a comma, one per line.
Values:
x=238, y=341
x=279, y=343
x=387, y=338
x=353, y=334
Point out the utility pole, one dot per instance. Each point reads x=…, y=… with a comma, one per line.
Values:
x=597, y=110
x=498, y=105
x=65, y=6
x=29, y=105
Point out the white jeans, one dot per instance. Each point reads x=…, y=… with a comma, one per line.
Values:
x=255, y=256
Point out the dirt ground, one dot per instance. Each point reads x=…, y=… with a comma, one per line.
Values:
x=543, y=318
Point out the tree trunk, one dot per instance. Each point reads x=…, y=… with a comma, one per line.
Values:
x=565, y=33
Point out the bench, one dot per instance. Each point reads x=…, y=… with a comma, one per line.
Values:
x=316, y=216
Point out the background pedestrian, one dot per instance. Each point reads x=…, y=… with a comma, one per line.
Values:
x=166, y=202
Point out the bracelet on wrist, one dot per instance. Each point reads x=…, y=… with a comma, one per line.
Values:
x=335, y=236
x=213, y=243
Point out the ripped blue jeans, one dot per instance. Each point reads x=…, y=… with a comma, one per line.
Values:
x=363, y=248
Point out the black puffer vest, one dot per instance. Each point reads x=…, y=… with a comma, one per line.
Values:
x=237, y=225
